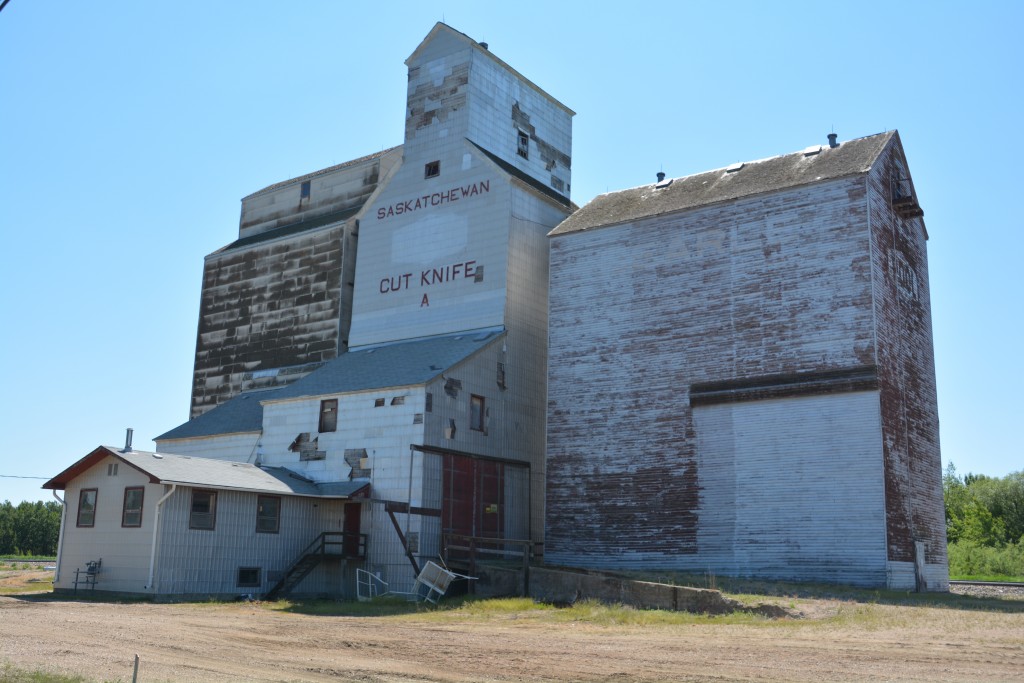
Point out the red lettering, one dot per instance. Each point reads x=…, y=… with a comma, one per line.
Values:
x=382, y=283
x=381, y=213
x=470, y=270
x=455, y=270
x=485, y=185
x=424, y=301
x=423, y=278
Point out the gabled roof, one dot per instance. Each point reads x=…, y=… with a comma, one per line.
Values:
x=442, y=28
x=300, y=226
x=526, y=178
x=241, y=414
x=390, y=365
x=166, y=468
x=812, y=165
x=322, y=171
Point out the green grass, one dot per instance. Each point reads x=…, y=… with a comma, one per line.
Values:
x=988, y=577
x=30, y=558
x=11, y=674
x=501, y=609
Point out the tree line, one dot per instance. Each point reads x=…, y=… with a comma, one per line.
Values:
x=29, y=528
x=984, y=524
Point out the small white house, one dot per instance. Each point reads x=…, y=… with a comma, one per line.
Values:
x=176, y=526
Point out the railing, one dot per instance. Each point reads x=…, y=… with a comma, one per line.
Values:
x=338, y=544
x=462, y=550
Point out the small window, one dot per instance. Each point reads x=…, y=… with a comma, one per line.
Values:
x=329, y=415
x=398, y=401
x=249, y=577
x=112, y=469
x=378, y=403
x=429, y=406
x=476, y=413
x=432, y=169
x=87, y=507
x=304, y=191
x=204, y=510
x=501, y=375
x=268, y=514
x=523, y=147
x=131, y=514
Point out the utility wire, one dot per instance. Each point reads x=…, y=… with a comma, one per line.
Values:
x=18, y=476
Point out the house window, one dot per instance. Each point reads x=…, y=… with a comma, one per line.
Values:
x=523, y=148
x=87, y=507
x=131, y=514
x=432, y=169
x=249, y=577
x=304, y=191
x=204, y=510
x=329, y=415
x=476, y=413
x=268, y=514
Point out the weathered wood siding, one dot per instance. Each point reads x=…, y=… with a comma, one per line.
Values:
x=266, y=306
x=770, y=285
x=906, y=372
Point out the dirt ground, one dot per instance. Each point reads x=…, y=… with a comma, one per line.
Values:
x=966, y=639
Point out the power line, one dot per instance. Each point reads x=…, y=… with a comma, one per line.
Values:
x=18, y=476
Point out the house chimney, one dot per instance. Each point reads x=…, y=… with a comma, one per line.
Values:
x=128, y=440
x=832, y=140
x=661, y=176
x=483, y=44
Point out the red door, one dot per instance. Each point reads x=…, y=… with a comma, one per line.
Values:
x=351, y=524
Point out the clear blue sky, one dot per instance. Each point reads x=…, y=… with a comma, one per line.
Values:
x=129, y=131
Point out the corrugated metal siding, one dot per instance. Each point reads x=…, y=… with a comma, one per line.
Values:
x=906, y=372
x=198, y=562
x=777, y=284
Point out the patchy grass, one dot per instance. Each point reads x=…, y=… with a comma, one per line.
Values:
x=16, y=582
x=11, y=674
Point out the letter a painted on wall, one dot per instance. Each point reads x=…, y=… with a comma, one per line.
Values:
x=425, y=301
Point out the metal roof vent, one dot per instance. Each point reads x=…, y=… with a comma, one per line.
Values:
x=662, y=183
x=483, y=44
x=812, y=150
x=128, y=441
x=832, y=137
x=735, y=167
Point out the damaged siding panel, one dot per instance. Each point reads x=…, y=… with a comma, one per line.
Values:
x=906, y=363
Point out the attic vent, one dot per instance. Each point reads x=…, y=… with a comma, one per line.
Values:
x=812, y=150
x=735, y=167
x=662, y=181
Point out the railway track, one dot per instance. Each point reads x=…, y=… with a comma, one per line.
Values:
x=993, y=584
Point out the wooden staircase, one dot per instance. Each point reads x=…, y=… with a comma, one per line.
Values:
x=329, y=544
